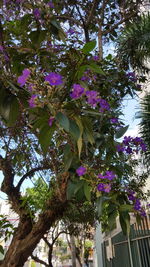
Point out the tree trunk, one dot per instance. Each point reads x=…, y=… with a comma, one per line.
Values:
x=73, y=250
x=50, y=256
x=27, y=236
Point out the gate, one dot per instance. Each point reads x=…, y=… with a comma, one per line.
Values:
x=120, y=251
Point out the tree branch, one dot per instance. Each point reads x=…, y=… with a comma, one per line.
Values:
x=94, y=6
x=100, y=33
x=84, y=25
x=35, y=258
x=30, y=174
x=65, y=17
x=118, y=23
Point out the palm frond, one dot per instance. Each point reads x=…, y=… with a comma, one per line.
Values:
x=145, y=126
x=134, y=43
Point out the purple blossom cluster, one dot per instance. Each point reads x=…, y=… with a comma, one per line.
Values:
x=104, y=187
x=95, y=58
x=50, y=4
x=54, y=79
x=137, y=203
x=77, y=92
x=32, y=101
x=92, y=97
x=81, y=171
x=114, y=120
x=23, y=78
x=37, y=13
x=131, y=145
x=109, y=175
x=132, y=77
x=104, y=106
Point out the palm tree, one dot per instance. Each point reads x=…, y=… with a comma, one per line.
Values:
x=145, y=126
x=134, y=44
x=134, y=51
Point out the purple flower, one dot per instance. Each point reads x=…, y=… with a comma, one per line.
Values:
x=50, y=121
x=137, y=205
x=77, y=92
x=96, y=58
x=103, y=105
x=26, y=73
x=143, y=213
x=85, y=78
x=131, y=76
x=30, y=87
x=100, y=176
x=129, y=150
x=137, y=140
x=71, y=31
x=92, y=97
x=131, y=195
x=54, y=78
x=107, y=188
x=127, y=140
x=32, y=103
x=114, y=120
x=143, y=146
x=50, y=4
x=110, y=175
x=100, y=187
x=1, y=48
x=22, y=79
x=120, y=148
x=36, y=13
x=81, y=171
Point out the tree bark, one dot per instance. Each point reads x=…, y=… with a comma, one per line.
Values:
x=73, y=250
x=50, y=256
x=27, y=236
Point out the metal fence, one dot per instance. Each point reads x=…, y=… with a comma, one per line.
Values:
x=120, y=251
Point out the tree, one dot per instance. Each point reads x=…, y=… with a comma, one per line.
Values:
x=52, y=121
x=76, y=222
x=134, y=44
x=134, y=49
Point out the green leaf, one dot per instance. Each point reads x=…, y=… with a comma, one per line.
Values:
x=80, y=140
x=45, y=136
x=70, y=190
x=96, y=68
x=126, y=207
x=74, y=129
x=88, y=47
x=79, y=145
x=121, y=132
x=124, y=218
x=68, y=157
x=87, y=191
x=1, y=250
x=14, y=111
x=63, y=121
x=88, y=130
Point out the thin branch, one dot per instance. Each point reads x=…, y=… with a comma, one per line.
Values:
x=94, y=6
x=100, y=24
x=84, y=24
x=30, y=174
x=64, y=17
x=35, y=258
x=118, y=23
